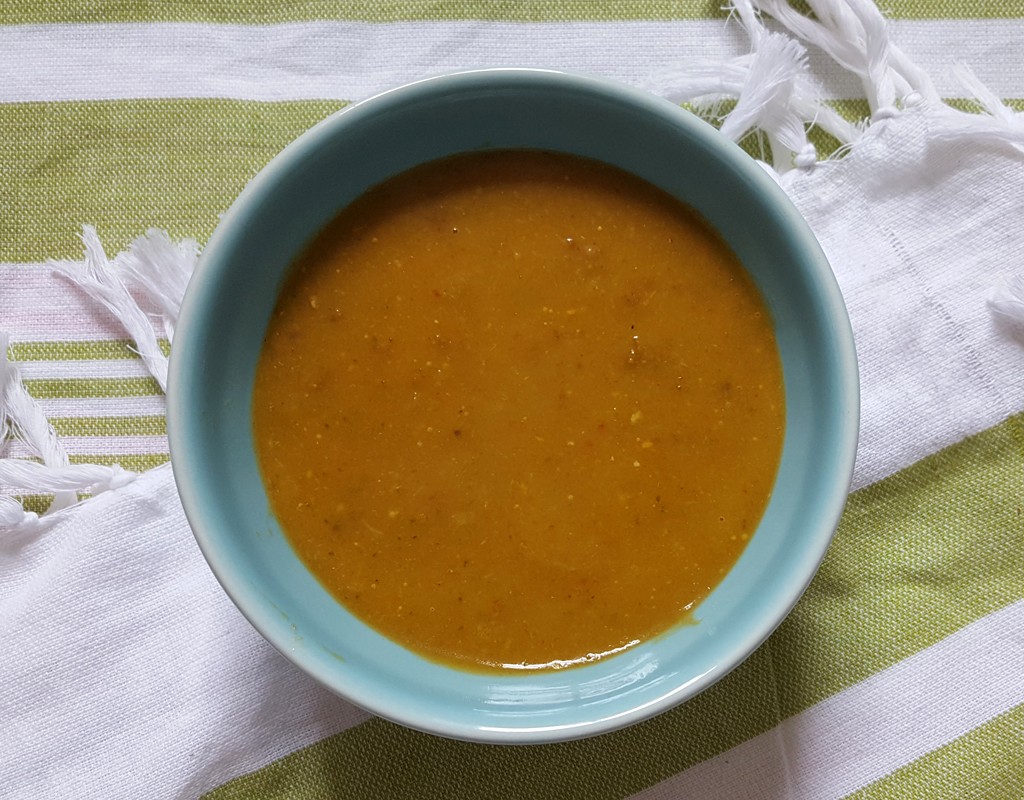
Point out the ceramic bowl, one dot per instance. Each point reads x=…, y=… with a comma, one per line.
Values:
x=234, y=289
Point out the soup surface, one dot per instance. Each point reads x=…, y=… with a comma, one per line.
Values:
x=519, y=410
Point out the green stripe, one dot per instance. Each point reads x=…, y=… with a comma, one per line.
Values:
x=97, y=350
x=917, y=557
x=971, y=106
x=948, y=9
x=988, y=763
x=126, y=166
x=133, y=462
x=39, y=503
x=856, y=108
x=110, y=426
x=852, y=109
x=55, y=388
x=953, y=9
x=25, y=11
x=20, y=11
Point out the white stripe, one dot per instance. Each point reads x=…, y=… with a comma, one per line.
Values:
x=118, y=368
x=341, y=60
x=36, y=304
x=352, y=60
x=99, y=445
x=990, y=48
x=869, y=730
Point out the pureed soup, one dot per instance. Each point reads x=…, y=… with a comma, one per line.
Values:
x=519, y=410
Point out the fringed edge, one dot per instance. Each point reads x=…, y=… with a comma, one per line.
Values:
x=772, y=87
x=153, y=270
x=152, y=273
x=774, y=92
x=158, y=269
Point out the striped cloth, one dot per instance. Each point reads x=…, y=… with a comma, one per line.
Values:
x=900, y=673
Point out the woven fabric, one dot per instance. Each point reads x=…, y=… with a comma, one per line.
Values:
x=126, y=671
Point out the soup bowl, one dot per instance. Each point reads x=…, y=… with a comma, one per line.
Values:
x=233, y=293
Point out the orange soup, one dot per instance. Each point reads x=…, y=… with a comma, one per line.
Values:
x=519, y=410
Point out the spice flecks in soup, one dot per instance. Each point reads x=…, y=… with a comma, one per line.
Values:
x=519, y=409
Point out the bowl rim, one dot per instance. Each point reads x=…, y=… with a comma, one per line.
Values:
x=179, y=426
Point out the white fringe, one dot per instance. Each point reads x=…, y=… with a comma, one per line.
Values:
x=159, y=270
x=30, y=476
x=997, y=122
x=1007, y=300
x=772, y=89
x=768, y=101
x=21, y=417
x=99, y=278
x=15, y=518
x=855, y=35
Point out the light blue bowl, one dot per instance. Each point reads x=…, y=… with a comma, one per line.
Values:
x=229, y=302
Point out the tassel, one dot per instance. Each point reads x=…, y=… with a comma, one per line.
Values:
x=22, y=475
x=98, y=278
x=22, y=417
x=15, y=518
x=772, y=90
x=998, y=122
x=854, y=34
x=159, y=270
x=765, y=99
x=1008, y=300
